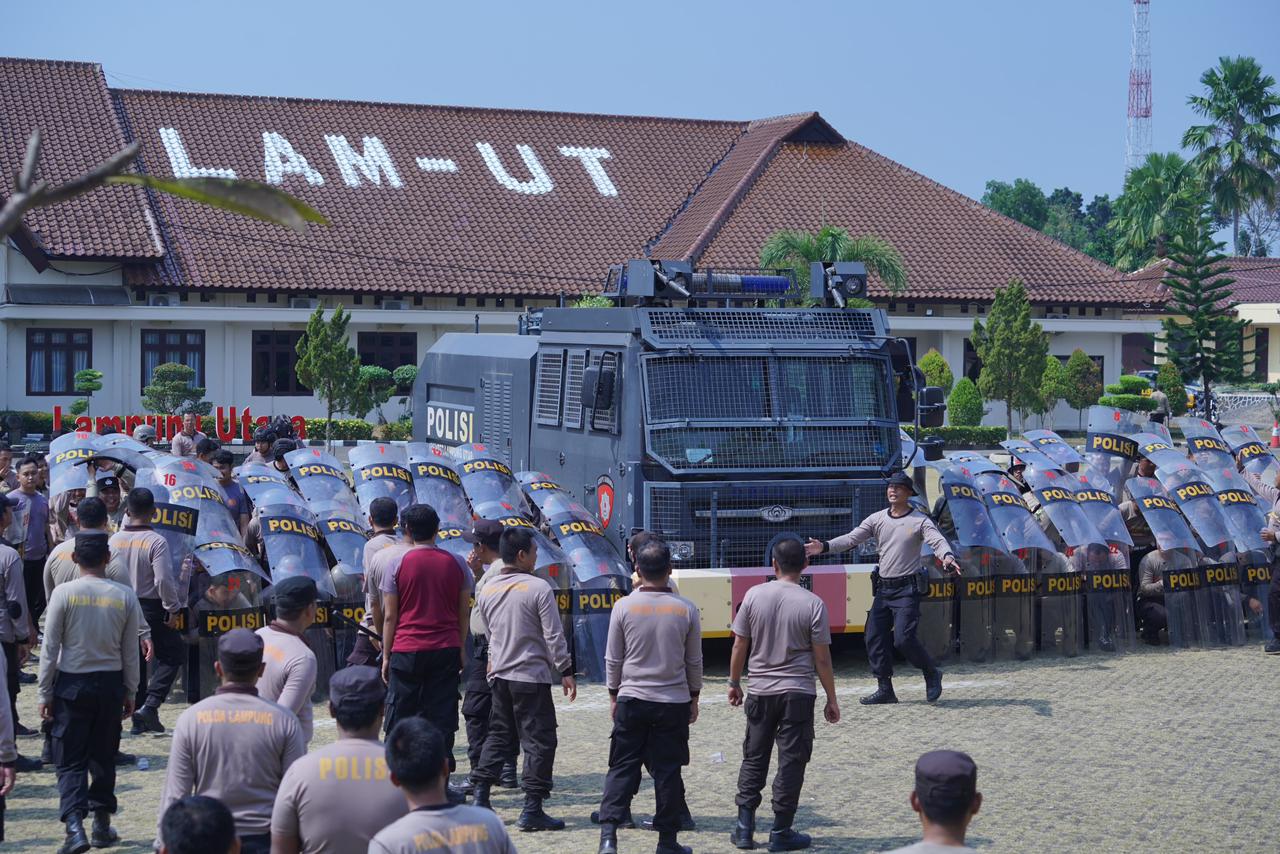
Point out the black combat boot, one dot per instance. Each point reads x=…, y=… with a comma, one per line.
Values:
x=147, y=719
x=884, y=694
x=783, y=838
x=533, y=819
x=667, y=844
x=481, y=793
x=687, y=824
x=1272, y=646
x=508, y=779
x=76, y=842
x=608, y=839
x=744, y=832
x=627, y=823
x=933, y=685
x=103, y=835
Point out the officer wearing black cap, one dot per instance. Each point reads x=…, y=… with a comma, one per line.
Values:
x=263, y=439
x=88, y=675
x=336, y=798
x=109, y=492
x=289, y=672
x=897, y=586
x=946, y=797
x=235, y=746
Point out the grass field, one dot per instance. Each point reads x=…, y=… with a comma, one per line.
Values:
x=1155, y=751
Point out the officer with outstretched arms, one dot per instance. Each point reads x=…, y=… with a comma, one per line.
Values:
x=235, y=746
x=653, y=670
x=289, y=665
x=88, y=675
x=145, y=554
x=335, y=799
x=897, y=585
x=419, y=765
x=527, y=655
x=788, y=632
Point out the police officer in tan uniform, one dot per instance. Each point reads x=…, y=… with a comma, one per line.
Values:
x=235, y=746
x=335, y=799
x=289, y=665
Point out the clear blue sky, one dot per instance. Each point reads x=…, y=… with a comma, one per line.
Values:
x=962, y=92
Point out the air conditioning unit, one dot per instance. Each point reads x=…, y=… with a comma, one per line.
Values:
x=1057, y=316
x=309, y=303
x=163, y=300
x=395, y=304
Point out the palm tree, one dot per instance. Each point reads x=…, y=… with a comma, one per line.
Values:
x=798, y=249
x=1161, y=198
x=1238, y=146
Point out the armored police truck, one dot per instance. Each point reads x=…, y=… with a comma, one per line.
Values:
x=718, y=409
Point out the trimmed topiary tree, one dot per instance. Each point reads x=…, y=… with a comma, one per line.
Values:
x=1127, y=392
x=936, y=371
x=964, y=405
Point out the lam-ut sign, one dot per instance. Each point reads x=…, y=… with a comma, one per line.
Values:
x=370, y=163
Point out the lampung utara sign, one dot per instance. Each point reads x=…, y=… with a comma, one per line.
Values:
x=373, y=165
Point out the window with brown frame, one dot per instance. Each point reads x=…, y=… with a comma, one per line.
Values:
x=179, y=346
x=275, y=363
x=54, y=356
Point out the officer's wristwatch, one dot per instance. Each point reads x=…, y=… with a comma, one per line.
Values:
x=734, y=683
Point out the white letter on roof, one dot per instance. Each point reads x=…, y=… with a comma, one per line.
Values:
x=279, y=159
x=591, y=158
x=181, y=163
x=371, y=162
x=539, y=181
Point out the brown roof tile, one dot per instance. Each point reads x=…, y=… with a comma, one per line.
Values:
x=1256, y=279
x=69, y=103
x=955, y=249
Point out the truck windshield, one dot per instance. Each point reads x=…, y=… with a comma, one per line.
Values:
x=769, y=411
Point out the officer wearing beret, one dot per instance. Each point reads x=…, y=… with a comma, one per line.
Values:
x=899, y=530
x=88, y=675
x=946, y=797
x=289, y=665
x=235, y=746
x=336, y=798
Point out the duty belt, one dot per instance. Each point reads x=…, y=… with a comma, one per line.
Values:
x=897, y=581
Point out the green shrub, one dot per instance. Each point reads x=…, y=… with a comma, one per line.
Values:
x=1169, y=381
x=345, y=428
x=970, y=436
x=936, y=371
x=398, y=431
x=964, y=405
x=37, y=422
x=1130, y=384
x=1131, y=402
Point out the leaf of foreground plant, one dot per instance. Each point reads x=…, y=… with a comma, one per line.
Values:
x=250, y=198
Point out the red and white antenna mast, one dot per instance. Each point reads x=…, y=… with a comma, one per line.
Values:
x=1138, y=137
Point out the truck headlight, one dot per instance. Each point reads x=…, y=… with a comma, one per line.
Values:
x=681, y=549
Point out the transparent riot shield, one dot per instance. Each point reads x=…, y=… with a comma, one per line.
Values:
x=1244, y=515
x=1056, y=493
x=937, y=630
x=1158, y=429
x=592, y=601
x=322, y=480
x=1028, y=454
x=552, y=563
x=178, y=525
x=435, y=482
x=345, y=612
x=1190, y=489
x=1013, y=605
x=344, y=534
x=1182, y=582
x=1055, y=447
x=1159, y=450
x=1221, y=603
x=222, y=601
x=1060, y=624
x=487, y=479
x=975, y=593
x=538, y=488
x=1100, y=506
x=380, y=470
x=970, y=522
x=1108, y=597
x=68, y=456
x=1109, y=449
x=1251, y=452
x=1013, y=520
x=1255, y=583
x=1205, y=445
x=1161, y=514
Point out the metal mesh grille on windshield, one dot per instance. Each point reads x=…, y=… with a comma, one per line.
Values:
x=671, y=326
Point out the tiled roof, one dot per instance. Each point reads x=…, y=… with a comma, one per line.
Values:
x=954, y=248
x=70, y=105
x=1256, y=279
x=458, y=228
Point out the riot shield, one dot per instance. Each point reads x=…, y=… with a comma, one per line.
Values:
x=222, y=601
x=1221, y=603
x=1013, y=605
x=381, y=470
x=486, y=478
x=1158, y=450
x=1160, y=430
x=938, y=610
x=1108, y=597
x=1245, y=516
x=1056, y=493
x=1055, y=447
x=178, y=525
x=1161, y=514
x=68, y=456
x=1203, y=603
x=1255, y=582
x=1205, y=445
x=1061, y=605
x=343, y=533
x=437, y=483
x=1181, y=581
x=592, y=602
x=538, y=486
x=1028, y=454
x=322, y=480
x=1013, y=521
x=976, y=597
x=1251, y=452
x=256, y=479
x=972, y=463
x=188, y=466
x=1100, y=506
x=217, y=543
x=972, y=524
x=1188, y=486
x=552, y=563
x=1109, y=449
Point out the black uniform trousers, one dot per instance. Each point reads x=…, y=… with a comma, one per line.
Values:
x=425, y=684
x=892, y=622
x=33, y=578
x=655, y=735
x=87, y=709
x=1152, y=615
x=171, y=655
x=784, y=719
x=523, y=714
x=477, y=701
x=11, y=673
x=258, y=843
x=1273, y=601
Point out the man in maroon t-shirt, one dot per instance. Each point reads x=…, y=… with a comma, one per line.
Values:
x=426, y=610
